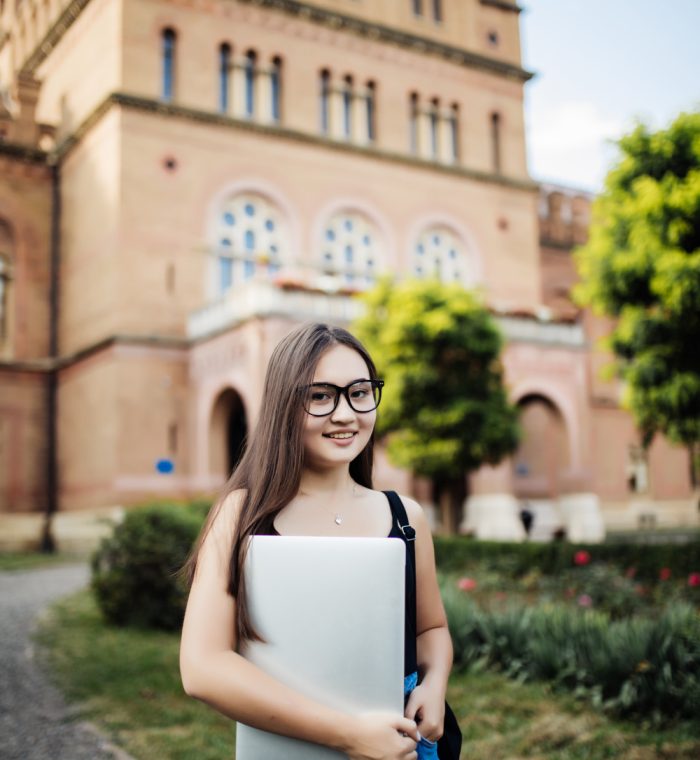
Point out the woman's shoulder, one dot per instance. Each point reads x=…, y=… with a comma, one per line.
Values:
x=226, y=511
x=414, y=511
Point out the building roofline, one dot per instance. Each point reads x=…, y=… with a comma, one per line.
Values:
x=323, y=17
x=381, y=33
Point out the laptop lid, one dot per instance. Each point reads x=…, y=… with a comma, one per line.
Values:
x=331, y=611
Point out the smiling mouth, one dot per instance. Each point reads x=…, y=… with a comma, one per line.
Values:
x=340, y=436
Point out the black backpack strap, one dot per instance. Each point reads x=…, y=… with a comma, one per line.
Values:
x=398, y=512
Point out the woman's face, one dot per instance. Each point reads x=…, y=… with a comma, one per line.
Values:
x=340, y=436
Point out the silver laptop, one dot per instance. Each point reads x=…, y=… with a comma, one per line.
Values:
x=331, y=611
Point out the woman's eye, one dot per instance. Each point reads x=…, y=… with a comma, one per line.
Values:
x=318, y=396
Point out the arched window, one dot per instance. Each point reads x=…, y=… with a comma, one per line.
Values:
x=276, y=89
x=351, y=248
x=496, y=142
x=371, y=112
x=250, y=66
x=413, y=122
x=418, y=7
x=437, y=10
x=439, y=252
x=250, y=239
x=168, y=44
x=434, y=117
x=324, y=98
x=454, y=132
x=224, y=76
x=347, y=107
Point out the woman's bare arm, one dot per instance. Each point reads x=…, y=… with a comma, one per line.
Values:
x=213, y=672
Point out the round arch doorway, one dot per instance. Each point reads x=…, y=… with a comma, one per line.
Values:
x=227, y=433
x=541, y=460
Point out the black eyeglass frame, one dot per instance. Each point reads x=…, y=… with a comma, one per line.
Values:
x=345, y=391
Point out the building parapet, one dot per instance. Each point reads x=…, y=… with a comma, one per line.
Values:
x=529, y=330
x=265, y=299
x=260, y=298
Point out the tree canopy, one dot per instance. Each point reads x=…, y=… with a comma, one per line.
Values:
x=444, y=403
x=641, y=265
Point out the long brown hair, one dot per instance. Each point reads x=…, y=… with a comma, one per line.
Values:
x=269, y=471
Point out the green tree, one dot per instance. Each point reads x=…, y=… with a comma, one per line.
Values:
x=445, y=405
x=641, y=265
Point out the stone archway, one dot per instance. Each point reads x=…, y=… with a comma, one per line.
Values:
x=539, y=464
x=228, y=430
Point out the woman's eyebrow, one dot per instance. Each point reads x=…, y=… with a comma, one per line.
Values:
x=352, y=382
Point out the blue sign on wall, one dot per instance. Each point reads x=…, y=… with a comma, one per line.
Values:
x=165, y=466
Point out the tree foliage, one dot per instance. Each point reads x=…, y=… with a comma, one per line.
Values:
x=641, y=266
x=438, y=350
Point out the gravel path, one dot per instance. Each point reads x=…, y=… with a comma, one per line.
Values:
x=35, y=722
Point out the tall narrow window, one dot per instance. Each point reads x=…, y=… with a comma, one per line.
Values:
x=6, y=253
x=250, y=65
x=276, y=88
x=224, y=76
x=371, y=112
x=434, y=128
x=4, y=282
x=325, y=101
x=347, y=107
x=437, y=10
x=413, y=116
x=496, y=142
x=168, y=55
x=418, y=7
x=454, y=132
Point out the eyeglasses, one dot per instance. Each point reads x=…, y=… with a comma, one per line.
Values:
x=321, y=399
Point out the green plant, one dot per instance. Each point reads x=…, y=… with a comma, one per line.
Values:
x=134, y=571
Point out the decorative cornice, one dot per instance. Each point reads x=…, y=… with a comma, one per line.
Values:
x=171, y=110
x=380, y=33
x=504, y=5
x=46, y=365
x=23, y=153
x=54, y=35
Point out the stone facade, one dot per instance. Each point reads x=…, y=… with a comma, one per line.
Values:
x=182, y=182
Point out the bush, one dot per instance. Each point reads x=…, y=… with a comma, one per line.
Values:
x=134, y=571
x=637, y=666
x=456, y=554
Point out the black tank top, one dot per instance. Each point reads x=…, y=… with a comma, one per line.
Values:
x=400, y=529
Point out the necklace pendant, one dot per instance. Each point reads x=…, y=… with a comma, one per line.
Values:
x=338, y=520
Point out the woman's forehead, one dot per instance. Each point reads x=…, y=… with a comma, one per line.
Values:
x=340, y=365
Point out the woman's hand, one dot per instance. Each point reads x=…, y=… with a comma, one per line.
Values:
x=426, y=706
x=383, y=736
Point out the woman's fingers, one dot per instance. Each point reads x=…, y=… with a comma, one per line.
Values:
x=407, y=726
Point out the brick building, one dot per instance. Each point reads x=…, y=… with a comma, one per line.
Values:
x=181, y=181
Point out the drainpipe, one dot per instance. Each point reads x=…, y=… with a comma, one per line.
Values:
x=48, y=544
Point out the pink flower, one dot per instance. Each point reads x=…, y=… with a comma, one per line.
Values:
x=582, y=558
x=466, y=584
x=585, y=601
x=694, y=579
x=665, y=573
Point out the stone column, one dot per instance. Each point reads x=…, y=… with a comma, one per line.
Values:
x=263, y=96
x=335, y=97
x=423, y=129
x=491, y=511
x=445, y=139
x=359, y=119
x=238, y=82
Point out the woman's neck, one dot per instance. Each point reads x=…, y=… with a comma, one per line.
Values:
x=337, y=482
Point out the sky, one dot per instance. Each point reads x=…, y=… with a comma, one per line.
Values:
x=601, y=65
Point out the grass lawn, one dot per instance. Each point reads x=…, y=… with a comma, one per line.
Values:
x=127, y=682
x=32, y=560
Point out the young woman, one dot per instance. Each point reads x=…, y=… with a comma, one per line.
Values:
x=307, y=470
